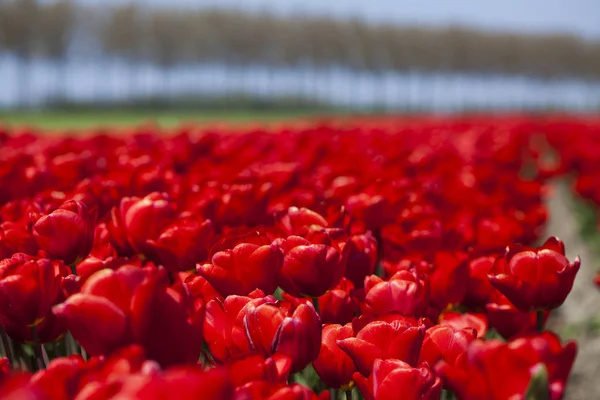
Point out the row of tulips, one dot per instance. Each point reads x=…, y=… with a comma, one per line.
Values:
x=376, y=258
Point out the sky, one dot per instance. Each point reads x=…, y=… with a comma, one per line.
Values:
x=578, y=17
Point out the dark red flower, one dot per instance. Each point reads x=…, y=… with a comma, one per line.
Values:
x=362, y=258
x=479, y=288
x=29, y=287
x=510, y=322
x=337, y=305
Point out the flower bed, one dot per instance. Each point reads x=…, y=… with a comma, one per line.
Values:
x=372, y=257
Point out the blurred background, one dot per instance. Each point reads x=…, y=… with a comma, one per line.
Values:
x=377, y=55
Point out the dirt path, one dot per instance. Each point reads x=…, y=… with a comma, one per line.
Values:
x=583, y=304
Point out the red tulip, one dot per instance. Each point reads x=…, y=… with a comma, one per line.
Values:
x=393, y=378
x=362, y=258
x=136, y=221
x=29, y=287
x=310, y=269
x=133, y=305
x=257, y=368
x=404, y=293
x=296, y=221
x=68, y=232
x=496, y=370
x=224, y=328
x=479, y=288
x=185, y=383
x=379, y=339
x=444, y=342
x=244, y=268
x=182, y=244
x=534, y=279
x=457, y=320
x=4, y=369
x=16, y=238
x=277, y=391
x=337, y=305
x=334, y=366
x=297, y=336
x=448, y=280
x=511, y=322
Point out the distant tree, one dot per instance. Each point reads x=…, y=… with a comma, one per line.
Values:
x=121, y=37
x=57, y=20
x=19, y=21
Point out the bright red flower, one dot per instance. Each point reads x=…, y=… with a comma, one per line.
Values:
x=183, y=244
x=184, y=383
x=244, y=268
x=475, y=321
x=444, y=342
x=133, y=305
x=262, y=390
x=334, y=366
x=297, y=336
x=258, y=368
x=16, y=238
x=398, y=339
x=297, y=221
x=68, y=232
x=310, y=269
x=404, y=293
x=392, y=378
x=496, y=370
x=224, y=325
x=534, y=279
x=136, y=221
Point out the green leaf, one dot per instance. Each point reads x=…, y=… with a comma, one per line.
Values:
x=538, y=385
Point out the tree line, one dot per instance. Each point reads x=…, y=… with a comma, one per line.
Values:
x=60, y=29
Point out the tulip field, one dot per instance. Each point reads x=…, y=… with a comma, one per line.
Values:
x=364, y=258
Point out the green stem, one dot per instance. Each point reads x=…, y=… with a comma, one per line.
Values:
x=37, y=349
x=349, y=394
x=316, y=304
x=73, y=268
x=540, y=320
x=7, y=348
x=333, y=394
x=70, y=344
